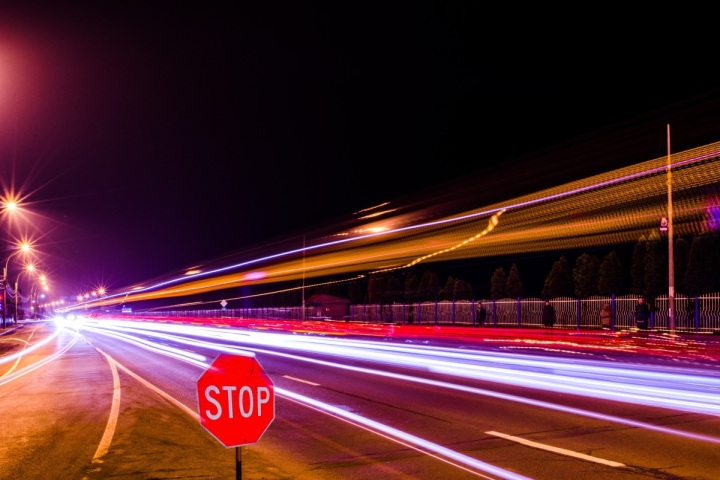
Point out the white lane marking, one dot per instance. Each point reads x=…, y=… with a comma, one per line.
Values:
x=558, y=450
x=301, y=381
x=155, y=389
x=17, y=360
x=426, y=447
x=106, y=439
x=9, y=377
x=19, y=355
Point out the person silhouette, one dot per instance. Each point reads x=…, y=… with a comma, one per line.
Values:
x=642, y=314
x=548, y=314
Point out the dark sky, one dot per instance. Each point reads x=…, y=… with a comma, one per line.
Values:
x=148, y=138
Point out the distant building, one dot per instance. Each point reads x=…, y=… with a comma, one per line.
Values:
x=327, y=306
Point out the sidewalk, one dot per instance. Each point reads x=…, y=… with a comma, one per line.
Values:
x=9, y=328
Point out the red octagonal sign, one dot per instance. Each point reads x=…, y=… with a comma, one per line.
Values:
x=236, y=400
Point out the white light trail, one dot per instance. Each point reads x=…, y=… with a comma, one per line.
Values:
x=45, y=360
x=663, y=387
x=12, y=357
x=420, y=444
x=426, y=447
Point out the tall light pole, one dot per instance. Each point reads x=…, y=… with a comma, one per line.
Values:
x=28, y=268
x=22, y=248
x=9, y=205
x=303, y=283
x=42, y=281
x=671, y=259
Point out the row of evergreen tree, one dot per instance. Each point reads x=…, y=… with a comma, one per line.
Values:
x=696, y=269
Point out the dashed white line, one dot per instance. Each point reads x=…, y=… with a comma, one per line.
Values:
x=561, y=451
x=301, y=381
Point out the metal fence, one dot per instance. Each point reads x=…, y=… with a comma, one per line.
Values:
x=692, y=314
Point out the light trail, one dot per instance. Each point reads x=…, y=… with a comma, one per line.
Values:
x=608, y=209
x=44, y=361
x=663, y=386
x=419, y=444
x=679, y=391
x=426, y=447
x=14, y=356
x=165, y=350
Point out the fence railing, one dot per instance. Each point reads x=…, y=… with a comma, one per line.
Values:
x=692, y=314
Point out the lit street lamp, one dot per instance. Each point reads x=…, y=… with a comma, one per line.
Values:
x=671, y=257
x=34, y=304
x=10, y=206
x=22, y=248
x=28, y=268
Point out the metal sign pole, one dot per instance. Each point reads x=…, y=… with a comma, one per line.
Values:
x=238, y=463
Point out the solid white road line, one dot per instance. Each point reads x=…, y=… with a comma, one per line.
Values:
x=106, y=439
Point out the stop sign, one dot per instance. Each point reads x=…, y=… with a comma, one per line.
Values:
x=236, y=400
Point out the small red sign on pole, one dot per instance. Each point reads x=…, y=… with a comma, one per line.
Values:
x=236, y=400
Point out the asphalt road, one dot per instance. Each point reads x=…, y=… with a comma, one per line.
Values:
x=93, y=402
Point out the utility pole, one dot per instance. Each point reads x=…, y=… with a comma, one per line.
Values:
x=303, y=282
x=4, y=297
x=671, y=259
x=17, y=300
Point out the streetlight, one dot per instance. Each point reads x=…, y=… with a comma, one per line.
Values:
x=28, y=268
x=34, y=305
x=671, y=258
x=22, y=248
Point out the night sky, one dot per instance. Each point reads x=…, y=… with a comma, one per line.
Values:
x=145, y=139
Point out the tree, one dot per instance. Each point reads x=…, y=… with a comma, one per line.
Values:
x=463, y=290
x=681, y=255
x=703, y=264
x=694, y=273
x=585, y=275
x=446, y=293
x=498, y=284
x=411, y=288
x=393, y=290
x=610, y=276
x=376, y=287
x=514, y=288
x=356, y=292
x=713, y=262
x=559, y=281
x=656, y=266
x=429, y=287
x=637, y=269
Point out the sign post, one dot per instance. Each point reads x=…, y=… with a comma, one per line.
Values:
x=236, y=402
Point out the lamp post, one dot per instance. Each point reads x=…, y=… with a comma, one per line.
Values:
x=303, y=282
x=671, y=259
x=22, y=248
x=28, y=268
x=34, y=306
